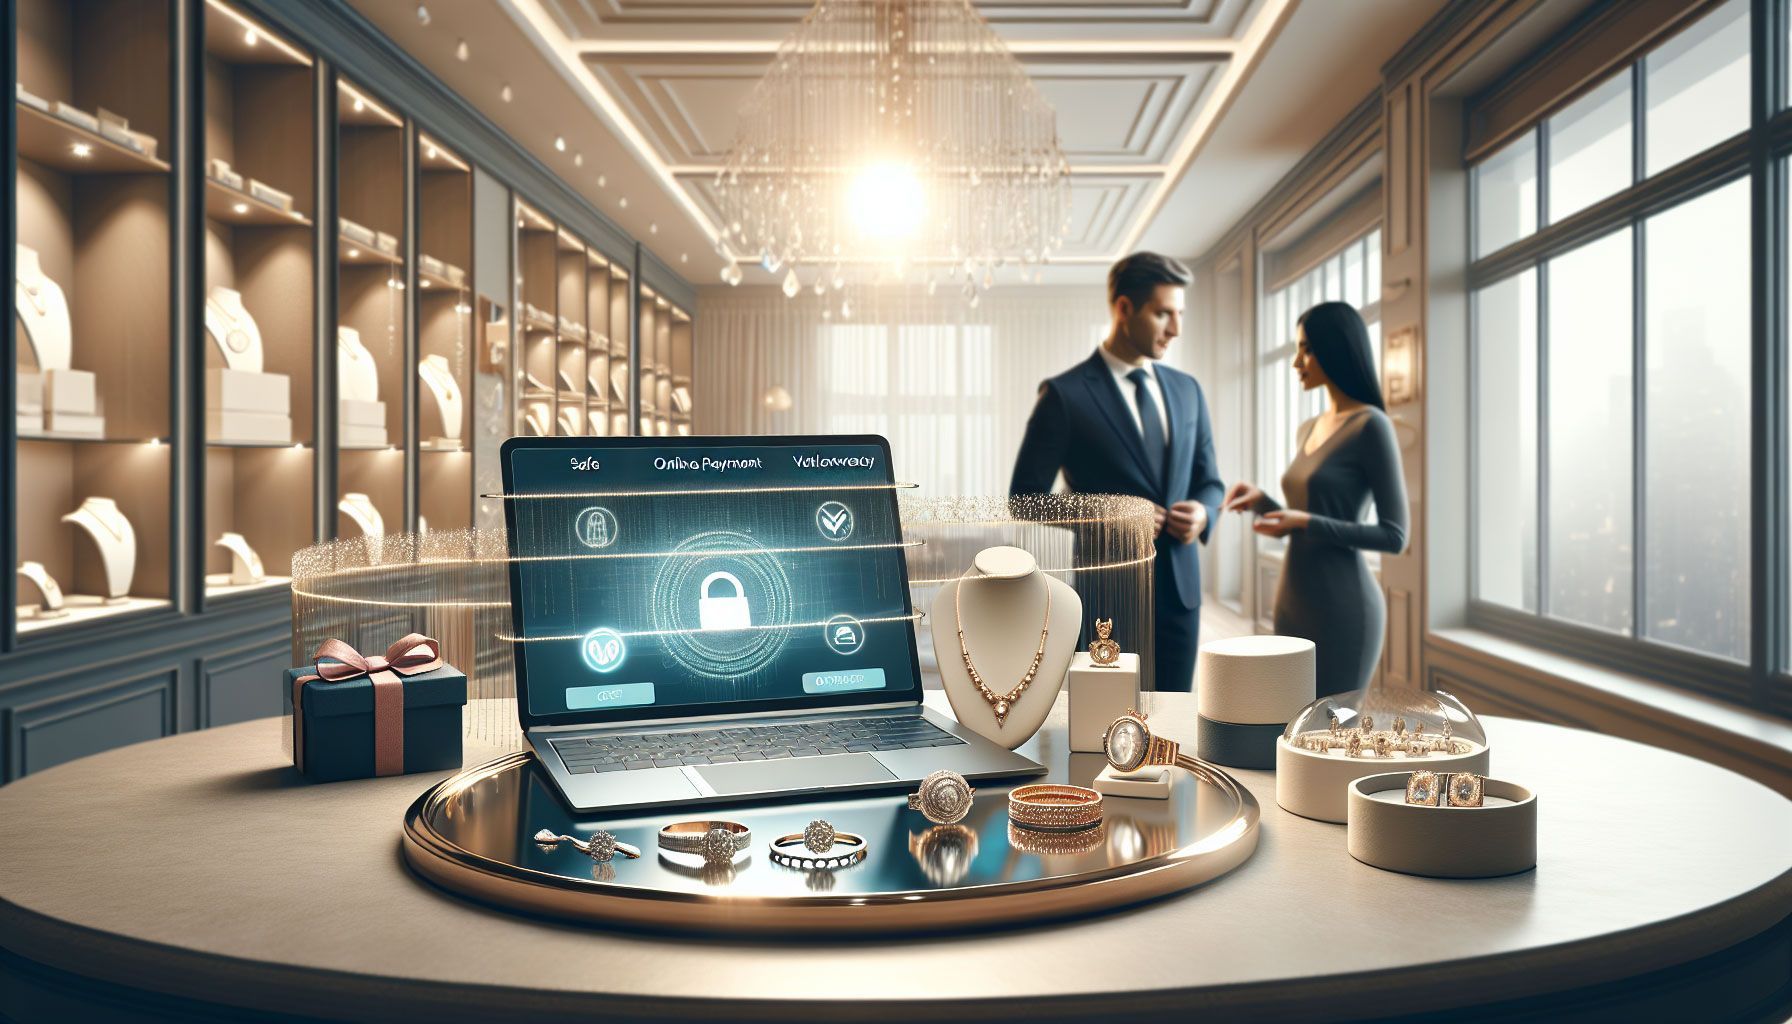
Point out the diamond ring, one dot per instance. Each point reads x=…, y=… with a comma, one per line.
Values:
x=945, y=797
x=717, y=842
x=601, y=847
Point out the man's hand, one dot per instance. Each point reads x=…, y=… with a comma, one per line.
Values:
x=1185, y=520
x=1158, y=515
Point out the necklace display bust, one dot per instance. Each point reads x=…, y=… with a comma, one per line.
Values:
x=438, y=380
x=43, y=312
x=1007, y=608
x=245, y=564
x=233, y=330
x=48, y=591
x=357, y=375
x=360, y=508
x=112, y=534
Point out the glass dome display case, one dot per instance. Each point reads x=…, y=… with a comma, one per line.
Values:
x=1342, y=737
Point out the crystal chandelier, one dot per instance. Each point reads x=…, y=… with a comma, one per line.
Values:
x=893, y=141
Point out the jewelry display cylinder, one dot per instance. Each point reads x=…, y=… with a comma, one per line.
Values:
x=1250, y=687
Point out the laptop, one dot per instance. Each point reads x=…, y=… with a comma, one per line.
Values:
x=717, y=619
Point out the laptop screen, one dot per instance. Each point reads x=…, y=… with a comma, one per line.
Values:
x=653, y=577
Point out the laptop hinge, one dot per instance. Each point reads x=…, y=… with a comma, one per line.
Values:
x=700, y=719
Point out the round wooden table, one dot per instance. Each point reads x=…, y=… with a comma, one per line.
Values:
x=199, y=873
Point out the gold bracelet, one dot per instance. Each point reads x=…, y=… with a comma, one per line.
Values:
x=1049, y=807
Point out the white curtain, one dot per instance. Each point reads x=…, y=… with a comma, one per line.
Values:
x=950, y=386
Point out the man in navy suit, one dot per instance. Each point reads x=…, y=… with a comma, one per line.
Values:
x=1121, y=422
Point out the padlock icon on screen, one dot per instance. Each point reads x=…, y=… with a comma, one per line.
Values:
x=725, y=611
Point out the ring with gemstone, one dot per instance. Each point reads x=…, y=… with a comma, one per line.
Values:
x=717, y=842
x=1465, y=790
x=944, y=798
x=798, y=850
x=600, y=847
x=1422, y=789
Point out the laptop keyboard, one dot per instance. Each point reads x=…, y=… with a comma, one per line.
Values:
x=635, y=751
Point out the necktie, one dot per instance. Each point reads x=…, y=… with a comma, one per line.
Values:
x=1151, y=426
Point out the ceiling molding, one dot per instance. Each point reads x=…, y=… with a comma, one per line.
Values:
x=1138, y=87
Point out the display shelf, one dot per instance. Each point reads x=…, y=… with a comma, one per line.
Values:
x=53, y=142
x=84, y=609
x=259, y=460
x=234, y=206
x=357, y=253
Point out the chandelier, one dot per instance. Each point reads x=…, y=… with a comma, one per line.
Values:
x=893, y=141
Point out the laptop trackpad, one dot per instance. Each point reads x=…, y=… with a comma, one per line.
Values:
x=794, y=774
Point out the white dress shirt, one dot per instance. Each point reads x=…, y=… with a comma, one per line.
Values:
x=1130, y=392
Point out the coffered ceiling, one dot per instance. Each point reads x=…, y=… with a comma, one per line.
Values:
x=1135, y=86
x=1175, y=114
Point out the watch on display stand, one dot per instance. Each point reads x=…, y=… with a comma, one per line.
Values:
x=233, y=330
x=49, y=593
x=1013, y=634
x=42, y=310
x=245, y=564
x=438, y=379
x=112, y=534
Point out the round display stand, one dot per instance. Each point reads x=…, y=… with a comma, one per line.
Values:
x=472, y=834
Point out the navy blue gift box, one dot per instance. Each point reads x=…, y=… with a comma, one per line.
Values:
x=336, y=730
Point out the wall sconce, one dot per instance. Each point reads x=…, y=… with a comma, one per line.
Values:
x=1399, y=365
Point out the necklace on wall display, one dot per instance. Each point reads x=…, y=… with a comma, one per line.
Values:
x=233, y=330
x=116, y=540
x=1000, y=703
x=42, y=311
x=357, y=375
x=439, y=377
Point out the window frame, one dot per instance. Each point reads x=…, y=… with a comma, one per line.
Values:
x=1762, y=154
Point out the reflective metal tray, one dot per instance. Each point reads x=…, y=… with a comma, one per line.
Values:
x=473, y=834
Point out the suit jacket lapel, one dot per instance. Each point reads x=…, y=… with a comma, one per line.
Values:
x=1178, y=406
x=1108, y=399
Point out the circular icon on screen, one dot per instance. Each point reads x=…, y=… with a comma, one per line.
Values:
x=603, y=649
x=843, y=634
x=595, y=527
x=834, y=520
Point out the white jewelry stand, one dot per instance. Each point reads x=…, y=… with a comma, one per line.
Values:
x=245, y=564
x=43, y=312
x=359, y=507
x=1004, y=606
x=116, y=540
x=569, y=418
x=536, y=419
x=233, y=330
x=47, y=588
x=438, y=376
x=357, y=375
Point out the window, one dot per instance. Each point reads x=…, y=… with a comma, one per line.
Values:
x=1612, y=360
x=1353, y=275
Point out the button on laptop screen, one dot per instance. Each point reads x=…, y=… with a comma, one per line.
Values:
x=654, y=579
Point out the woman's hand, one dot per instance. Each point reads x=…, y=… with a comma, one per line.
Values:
x=1241, y=497
x=1281, y=523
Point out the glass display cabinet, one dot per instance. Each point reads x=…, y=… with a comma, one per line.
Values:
x=93, y=468
x=444, y=318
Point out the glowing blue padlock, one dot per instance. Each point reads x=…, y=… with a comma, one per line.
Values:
x=728, y=611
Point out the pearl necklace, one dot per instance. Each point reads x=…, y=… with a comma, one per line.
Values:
x=1000, y=703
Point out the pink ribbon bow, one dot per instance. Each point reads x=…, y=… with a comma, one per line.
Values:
x=337, y=662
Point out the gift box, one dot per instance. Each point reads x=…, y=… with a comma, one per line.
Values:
x=355, y=716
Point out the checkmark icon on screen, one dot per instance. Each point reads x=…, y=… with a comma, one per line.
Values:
x=834, y=520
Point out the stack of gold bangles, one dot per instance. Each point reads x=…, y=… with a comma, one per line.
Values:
x=1049, y=807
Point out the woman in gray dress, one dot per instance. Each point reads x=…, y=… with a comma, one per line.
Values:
x=1343, y=457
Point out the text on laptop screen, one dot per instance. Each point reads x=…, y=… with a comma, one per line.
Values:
x=654, y=578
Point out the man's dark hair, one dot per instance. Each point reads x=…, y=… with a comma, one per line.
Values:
x=1138, y=275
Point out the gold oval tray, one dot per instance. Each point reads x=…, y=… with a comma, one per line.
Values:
x=472, y=834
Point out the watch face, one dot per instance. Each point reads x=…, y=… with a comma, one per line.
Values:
x=237, y=340
x=1126, y=743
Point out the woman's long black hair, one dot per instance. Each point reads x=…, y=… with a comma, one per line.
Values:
x=1338, y=338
